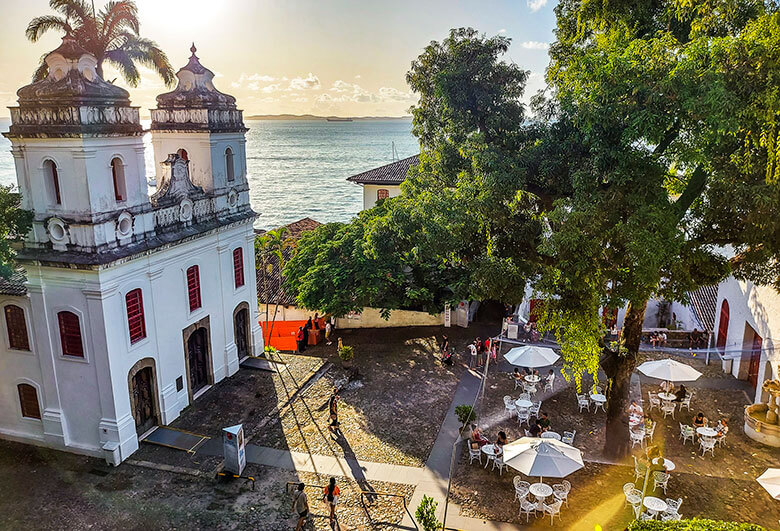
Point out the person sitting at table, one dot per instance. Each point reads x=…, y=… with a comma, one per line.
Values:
x=500, y=442
x=477, y=437
x=653, y=339
x=544, y=422
x=533, y=427
x=667, y=387
x=681, y=393
x=518, y=375
x=635, y=409
x=700, y=421
x=722, y=428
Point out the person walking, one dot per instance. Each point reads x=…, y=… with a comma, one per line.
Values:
x=328, y=331
x=300, y=506
x=480, y=351
x=334, y=414
x=330, y=494
x=473, y=349
x=306, y=329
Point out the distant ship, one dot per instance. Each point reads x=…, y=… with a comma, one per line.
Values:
x=337, y=119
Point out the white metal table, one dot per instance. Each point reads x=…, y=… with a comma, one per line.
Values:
x=598, y=399
x=541, y=491
x=706, y=432
x=654, y=505
x=668, y=397
x=523, y=403
x=532, y=378
x=667, y=464
x=491, y=451
x=551, y=435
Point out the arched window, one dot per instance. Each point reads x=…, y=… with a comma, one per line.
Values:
x=70, y=334
x=136, y=324
x=17, y=328
x=382, y=193
x=723, y=324
x=238, y=266
x=28, y=399
x=118, y=173
x=193, y=287
x=229, y=168
x=183, y=154
x=52, y=181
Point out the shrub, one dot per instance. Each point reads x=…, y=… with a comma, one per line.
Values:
x=692, y=525
x=346, y=353
x=465, y=414
x=270, y=350
x=426, y=514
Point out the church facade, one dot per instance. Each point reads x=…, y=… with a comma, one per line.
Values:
x=130, y=305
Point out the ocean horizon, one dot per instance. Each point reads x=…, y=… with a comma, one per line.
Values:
x=297, y=168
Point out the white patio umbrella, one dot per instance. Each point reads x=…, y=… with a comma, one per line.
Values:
x=669, y=370
x=531, y=356
x=542, y=457
x=770, y=480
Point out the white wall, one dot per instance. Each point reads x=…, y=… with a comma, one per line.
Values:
x=759, y=307
x=370, y=190
x=371, y=318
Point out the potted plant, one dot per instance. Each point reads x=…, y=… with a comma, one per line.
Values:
x=426, y=514
x=347, y=354
x=465, y=414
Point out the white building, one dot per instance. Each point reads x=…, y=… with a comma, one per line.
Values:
x=383, y=182
x=132, y=305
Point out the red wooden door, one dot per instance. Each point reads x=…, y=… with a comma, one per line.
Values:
x=723, y=326
x=755, y=361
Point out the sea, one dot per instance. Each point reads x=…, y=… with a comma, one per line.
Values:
x=297, y=168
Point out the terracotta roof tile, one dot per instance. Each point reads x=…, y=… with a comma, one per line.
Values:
x=393, y=173
x=703, y=303
x=15, y=285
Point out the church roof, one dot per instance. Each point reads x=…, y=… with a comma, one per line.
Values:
x=393, y=173
x=15, y=285
x=195, y=89
x=270, y=288
x=704, y=303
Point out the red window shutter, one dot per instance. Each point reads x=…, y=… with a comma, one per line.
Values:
x=238, y=266
x=136, y=324
x=193, y=287
x=17, y=328
x=28, y=399
x=382, y=193
x=70, y=334
x=56, y=182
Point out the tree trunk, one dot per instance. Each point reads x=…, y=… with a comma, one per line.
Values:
x=619, y=366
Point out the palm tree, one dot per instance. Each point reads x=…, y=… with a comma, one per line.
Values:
x=110, y=35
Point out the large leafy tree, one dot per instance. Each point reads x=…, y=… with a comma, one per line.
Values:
x=14, y=224
x=110, y=34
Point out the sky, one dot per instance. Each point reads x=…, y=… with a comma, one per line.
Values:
x=325, y=57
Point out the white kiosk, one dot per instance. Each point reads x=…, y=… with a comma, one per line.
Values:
x=233, y=448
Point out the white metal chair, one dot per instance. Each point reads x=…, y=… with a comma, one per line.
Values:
x=553, y=510
x=524, y=396
x=686, y=402
x=597, y=390
x=498, y=462
x=561, y=491
x=518, y=383
x=707, y=444
x=654, y=401
x=527, y=507
x=660, y=479
x=568, y=437
x=509, y=405
x=535, y=407
x=673, y=506
x=639, y=468
x=650, y=431
x=670, y=517
x=634, y=498
x=720, y=439
x=522, y=414
x=628, y=489
x=637, y=437
x=521, y=488
x=474, y=454
x=530, y=388
x=583, y=403
x=668, y=409
x=686, y=432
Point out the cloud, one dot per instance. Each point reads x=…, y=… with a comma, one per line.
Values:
x=357, y=76
x=536, y=5
x=535, y=45
x=303, y=83
x=502, y=30
x=271, y=88
x=393, y=94
x=251, y=81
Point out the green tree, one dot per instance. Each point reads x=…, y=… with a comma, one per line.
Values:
x=111, y=35
x=14, y=224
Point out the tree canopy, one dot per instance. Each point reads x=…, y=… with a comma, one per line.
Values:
x=14, y=224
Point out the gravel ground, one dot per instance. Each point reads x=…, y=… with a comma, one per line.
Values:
x=46, y=489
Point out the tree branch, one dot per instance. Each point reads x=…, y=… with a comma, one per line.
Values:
x=669, y=137
x=692, y=191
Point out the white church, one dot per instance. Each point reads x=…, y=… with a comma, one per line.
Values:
x=130, y=306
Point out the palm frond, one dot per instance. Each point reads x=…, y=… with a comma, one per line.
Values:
x=42, y=71
x=79, y=10
x=147, y=53
x=124, y=63
x=116, y=16
x=40, y=25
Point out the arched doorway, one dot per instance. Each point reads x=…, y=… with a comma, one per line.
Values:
x=198, y=360
x=241, y=329
x=143, y=396
x=723, y=325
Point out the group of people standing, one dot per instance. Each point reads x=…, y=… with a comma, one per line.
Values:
x=300, y=505
x=479, y=351
x=302, y=334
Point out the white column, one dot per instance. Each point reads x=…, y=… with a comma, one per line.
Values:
x=228, y=364
x=257, y=333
